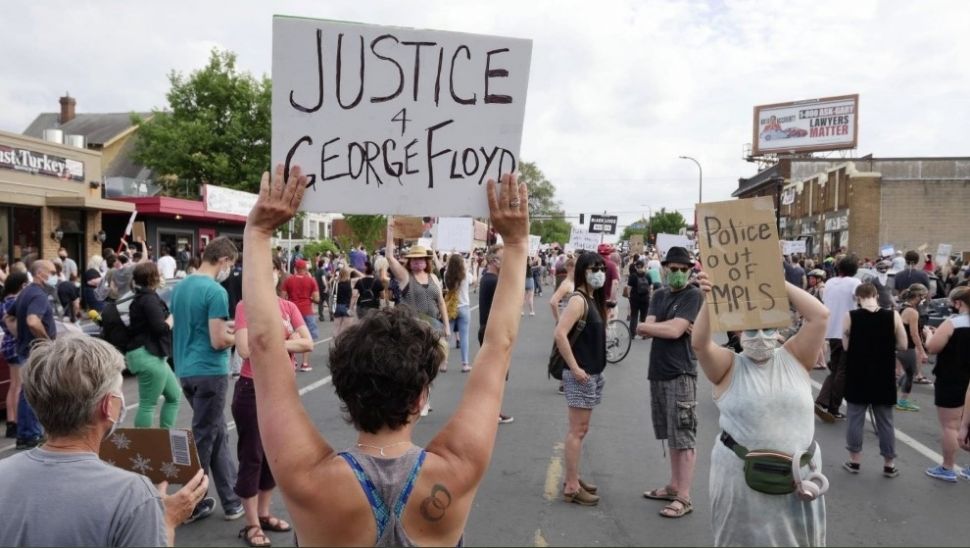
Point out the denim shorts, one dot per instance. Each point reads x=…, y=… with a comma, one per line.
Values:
x=673, y=406
x=311, y=324
x=582, y=395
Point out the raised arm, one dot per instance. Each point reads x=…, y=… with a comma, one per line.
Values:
x=396, y=268
x=805, y=344
x=467, y=440
x=293, y=444
x=715, y=360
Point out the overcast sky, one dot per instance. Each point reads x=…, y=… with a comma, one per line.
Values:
x=618, y=89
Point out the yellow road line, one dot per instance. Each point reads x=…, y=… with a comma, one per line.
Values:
x=554, y=473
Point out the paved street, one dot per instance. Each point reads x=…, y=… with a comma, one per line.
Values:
x=518, y=503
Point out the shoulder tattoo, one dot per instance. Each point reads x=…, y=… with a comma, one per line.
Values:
x=433, y=508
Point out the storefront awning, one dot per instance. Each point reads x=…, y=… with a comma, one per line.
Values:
x=87, y=202
x=178, y=208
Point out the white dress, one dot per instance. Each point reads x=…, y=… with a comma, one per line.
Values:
x=767, y=406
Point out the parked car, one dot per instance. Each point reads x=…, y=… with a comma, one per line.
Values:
x=90, y=327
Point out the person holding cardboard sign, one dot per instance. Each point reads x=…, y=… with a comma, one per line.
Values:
x=382, y=369
x=74, y=385
x=764, y=395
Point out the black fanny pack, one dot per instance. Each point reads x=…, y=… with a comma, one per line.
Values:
x=766, y=470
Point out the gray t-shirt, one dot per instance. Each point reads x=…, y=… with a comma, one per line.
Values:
x=75, y=499
x=671, y=358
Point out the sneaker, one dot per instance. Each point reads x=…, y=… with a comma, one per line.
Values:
x=11, y=430
x=890, y=471
x=202, y=510
x=838, y=416
x=922, y=380
x=505, y=419
x=906, y=405
x=466, y=368
x=941, y=473
x=824, y=414
x=851, y=467
x=964, y=472
x=29, y=443
x=234, y=513
x=305, y=367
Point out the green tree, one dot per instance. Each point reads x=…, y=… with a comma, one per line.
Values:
x=320, y=246
x=662, y=222
x=545, y=210
x=367, y=229
x=216, y=130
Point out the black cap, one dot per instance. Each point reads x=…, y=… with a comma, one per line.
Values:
x=677, y=255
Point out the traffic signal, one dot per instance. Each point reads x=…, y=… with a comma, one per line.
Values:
x=582, y=219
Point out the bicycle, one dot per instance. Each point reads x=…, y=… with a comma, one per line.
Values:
x=618, y=341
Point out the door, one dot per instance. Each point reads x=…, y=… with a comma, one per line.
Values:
x=206, y=235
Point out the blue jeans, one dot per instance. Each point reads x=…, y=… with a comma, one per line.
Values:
x=311, y=324
x=28, y=427
x=460, y=325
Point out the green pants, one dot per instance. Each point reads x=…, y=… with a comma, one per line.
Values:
x=155, y=378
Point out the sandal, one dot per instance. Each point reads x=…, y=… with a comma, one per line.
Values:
x=672, y=511
x=664, y=493
x=274, y=524
x=250, y=538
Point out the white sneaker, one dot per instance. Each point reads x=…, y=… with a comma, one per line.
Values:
x=425, y=410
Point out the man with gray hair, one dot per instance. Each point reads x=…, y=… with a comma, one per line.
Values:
x=35, y=321
x=74, y=383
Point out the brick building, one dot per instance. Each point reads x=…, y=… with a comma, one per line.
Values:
x=865, y=204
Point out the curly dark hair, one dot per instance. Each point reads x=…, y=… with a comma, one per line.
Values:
x=382, y=365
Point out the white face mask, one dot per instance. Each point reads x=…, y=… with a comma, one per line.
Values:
x=223, y=274
x=596, y=280
x=759, y=345
x=882, y=276
x=121, y=415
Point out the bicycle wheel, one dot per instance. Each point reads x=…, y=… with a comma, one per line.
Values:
x=618, y=340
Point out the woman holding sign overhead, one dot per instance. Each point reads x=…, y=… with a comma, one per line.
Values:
x=767, y=422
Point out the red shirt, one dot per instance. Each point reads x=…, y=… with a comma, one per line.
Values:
x=292, y=320
x=299, y=289
x=612, y=276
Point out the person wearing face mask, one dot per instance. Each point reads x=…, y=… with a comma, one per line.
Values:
x=75, y=384
x=914, y=354
x=951, y=344
x=673, y=378
x=764, y=395
x=200, y=342
x=870, y=336
x=585, y=359
x=35, y=320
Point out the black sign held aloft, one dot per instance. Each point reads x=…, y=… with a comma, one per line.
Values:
x=602, y=224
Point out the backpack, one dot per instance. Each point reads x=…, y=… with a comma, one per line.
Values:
x=556, y=362
x=368, y=291
x=643, y=285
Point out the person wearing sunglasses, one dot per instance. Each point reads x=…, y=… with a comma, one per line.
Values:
x=764, y=395
x=673, y=378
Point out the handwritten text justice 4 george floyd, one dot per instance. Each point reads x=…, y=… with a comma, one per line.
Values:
x=390, y=158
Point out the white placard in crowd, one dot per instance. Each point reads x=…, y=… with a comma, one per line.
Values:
x=887, y=251
x=580, y=238
x=534, y=243
x=227, y=200
x=943, y=252
x=425, y=242
x=454, y=234
x=666, y=241
x=792, y=247
x=395, y=120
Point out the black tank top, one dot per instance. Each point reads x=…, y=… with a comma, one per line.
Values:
x=920, y=322
x=590, y=346
x=953, y=362
x=870, y=375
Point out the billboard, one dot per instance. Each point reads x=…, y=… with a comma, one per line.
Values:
x=829, y=123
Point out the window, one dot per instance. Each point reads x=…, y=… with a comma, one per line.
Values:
x=25, y=233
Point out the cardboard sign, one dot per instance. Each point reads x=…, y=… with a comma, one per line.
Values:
x=396, y=120
x=408, y=228
x=602, y=224
x=581, y=239
x=454, y=234
x=158, y=453
x=534, y=243
x=666, y=241
x=636, y=244
x=740, y=252
x=138, y=231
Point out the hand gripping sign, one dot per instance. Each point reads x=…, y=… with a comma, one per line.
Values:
x=740, y=253
x=396, y=120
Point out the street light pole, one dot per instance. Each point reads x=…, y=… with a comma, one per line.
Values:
x=700, y=178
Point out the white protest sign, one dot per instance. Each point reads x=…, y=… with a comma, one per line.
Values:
x=425, y=242
x=580, y=238
x=131, y=223
x=396, y=120
x=534, y=243
x=666, y=241
x=454, y=234
x=887, y=251
x=943, y=252
x=791, y=247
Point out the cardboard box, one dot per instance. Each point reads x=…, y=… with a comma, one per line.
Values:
x=157, y=453
x=741, y=254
